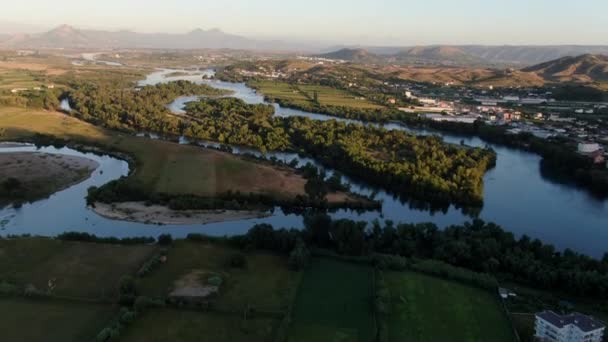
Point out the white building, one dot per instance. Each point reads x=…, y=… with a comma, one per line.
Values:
x=574, y=327
x=588, y=147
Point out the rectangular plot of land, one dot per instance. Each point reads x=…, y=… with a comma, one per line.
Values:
x=334, y=303
x=168, y=325
x=73, y=269
x=426, y=308
x=43, y=320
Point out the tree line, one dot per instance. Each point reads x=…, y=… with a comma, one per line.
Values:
x=484, y=248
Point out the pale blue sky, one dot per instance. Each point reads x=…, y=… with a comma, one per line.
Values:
x=380, y=22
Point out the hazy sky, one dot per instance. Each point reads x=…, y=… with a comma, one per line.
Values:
x=380, y=22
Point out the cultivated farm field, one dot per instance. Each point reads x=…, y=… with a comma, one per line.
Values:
x=304, y=94
x=334, y=303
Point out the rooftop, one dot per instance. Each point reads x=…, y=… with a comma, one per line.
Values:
x=583, y=322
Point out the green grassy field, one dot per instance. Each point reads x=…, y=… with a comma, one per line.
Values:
x=167, y=325
x=334, y=303
x=34, y=321
x=161, y=166
x=335, y=97
x=82, y=270
x=303, y=94
x=425, y=308
x=265, y=283
x=282, y=90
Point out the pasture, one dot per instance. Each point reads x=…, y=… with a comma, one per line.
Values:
x=426, y=308
x=264, y=283
x=334, y=303
x=168, y=325
x=36, y=320
x=72, y=269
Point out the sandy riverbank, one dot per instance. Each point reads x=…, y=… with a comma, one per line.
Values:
x=39, y=175
x=157, y=214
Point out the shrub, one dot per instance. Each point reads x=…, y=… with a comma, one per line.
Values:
x=149, y=265
x=127, y=316
x=390, y=262
x=127, y=285
x=215, y=280
x=104, y=335
x=8, y=289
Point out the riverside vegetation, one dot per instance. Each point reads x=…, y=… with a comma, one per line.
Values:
x=423, y=167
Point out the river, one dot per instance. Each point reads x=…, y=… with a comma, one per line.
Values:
x=516, y=196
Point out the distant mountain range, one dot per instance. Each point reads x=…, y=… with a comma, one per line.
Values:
x=419, y=54
x=464, y=55
x=585, y=69
x=66, y=36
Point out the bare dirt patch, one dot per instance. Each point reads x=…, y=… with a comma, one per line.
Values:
x=157, y=214
x=193, y=285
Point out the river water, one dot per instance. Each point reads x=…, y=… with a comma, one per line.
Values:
x=516, y=196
